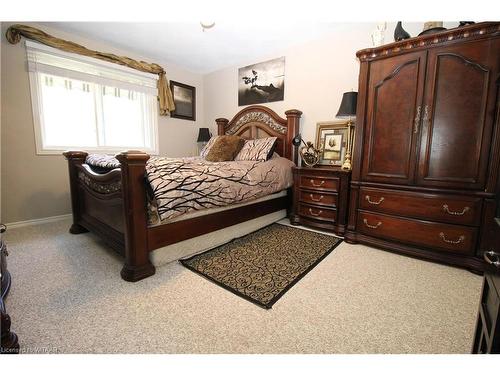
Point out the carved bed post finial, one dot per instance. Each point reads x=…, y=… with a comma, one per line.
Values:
x=137, y=265
x=293, y=119
x=221, y=125
x=75, y=159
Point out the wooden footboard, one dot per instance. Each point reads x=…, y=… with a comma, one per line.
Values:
x=113, y=205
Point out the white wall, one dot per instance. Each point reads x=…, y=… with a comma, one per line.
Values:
x=317, y=73
x=34, y=186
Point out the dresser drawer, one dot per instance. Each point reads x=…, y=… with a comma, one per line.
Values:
x=319, y=183
x=453, y=238
x=317, y=213
x=318, y=198
x=439, y=207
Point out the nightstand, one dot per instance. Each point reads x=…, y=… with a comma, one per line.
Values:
x=320, y=198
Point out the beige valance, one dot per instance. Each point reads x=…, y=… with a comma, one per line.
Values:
x=165, y=98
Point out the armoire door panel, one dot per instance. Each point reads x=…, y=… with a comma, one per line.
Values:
x=395, y=92
x=457, y=130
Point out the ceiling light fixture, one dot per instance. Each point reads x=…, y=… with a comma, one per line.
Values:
x=207, y=25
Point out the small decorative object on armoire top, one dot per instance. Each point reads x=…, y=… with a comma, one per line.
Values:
x=432, y=27
x=378, y=34
x=308, y=153
x=204, y=136
x=400, y=33
x=347, y=110
x=465, y=23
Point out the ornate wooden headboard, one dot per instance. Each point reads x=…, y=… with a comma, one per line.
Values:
x=257, y=121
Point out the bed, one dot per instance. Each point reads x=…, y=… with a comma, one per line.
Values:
x=113, y=203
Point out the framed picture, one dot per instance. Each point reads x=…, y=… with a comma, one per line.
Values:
x=331, y=139
x=185, y=101
x=262, y=82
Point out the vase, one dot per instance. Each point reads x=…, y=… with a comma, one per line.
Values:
x=400, y=33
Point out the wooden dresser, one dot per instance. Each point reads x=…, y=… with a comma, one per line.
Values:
x=320, y=198
x=487, y=335
x=427, y=146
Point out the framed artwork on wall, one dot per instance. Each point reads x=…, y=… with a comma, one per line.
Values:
x=185, y=101
x=262, y=82
x=331, y=140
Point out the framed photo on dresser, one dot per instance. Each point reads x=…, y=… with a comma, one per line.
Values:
x=331, y=139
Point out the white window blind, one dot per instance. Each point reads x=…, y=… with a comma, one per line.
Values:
x=81, y=102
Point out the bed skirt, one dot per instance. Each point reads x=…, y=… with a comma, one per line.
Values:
x=211, y=240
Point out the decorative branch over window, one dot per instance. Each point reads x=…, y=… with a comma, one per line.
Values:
x=165, y=98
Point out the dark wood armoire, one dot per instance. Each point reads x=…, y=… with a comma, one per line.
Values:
x=427, y=146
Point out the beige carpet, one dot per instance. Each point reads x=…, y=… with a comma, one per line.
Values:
x=68, y=297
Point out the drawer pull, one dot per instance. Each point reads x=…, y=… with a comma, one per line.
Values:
x=316, y=200
x=491, y=253
x=372, y=226
x=456, y=213
x=373, y=202
x=314, y=214
x=460, y=239
x=426, y=120
x=316, y=185
x=417, y=119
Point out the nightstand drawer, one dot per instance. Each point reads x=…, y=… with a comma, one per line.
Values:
x=318, y=198
x=319, y=183
x=317, y=213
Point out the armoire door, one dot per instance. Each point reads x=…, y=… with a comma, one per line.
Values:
x=395, y=91
x=458, y=115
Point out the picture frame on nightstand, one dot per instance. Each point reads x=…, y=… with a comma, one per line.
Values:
x=331, y=139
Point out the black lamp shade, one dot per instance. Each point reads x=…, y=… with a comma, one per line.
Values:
x=203, y=135
x=348, y=105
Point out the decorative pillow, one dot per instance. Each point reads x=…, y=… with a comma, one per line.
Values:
x=225, y=148
x=208, y=146
x=102, y=161
x=261, y=149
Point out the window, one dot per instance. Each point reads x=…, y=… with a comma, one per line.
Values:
x=82, y=103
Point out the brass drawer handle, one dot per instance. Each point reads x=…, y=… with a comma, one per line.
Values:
x=417, y=119
x=491, y=253
x=460, y=239
x=372, y=226
x=373, y=202
x=316, y=200
x=313, y=214
x=426, y=116
x=313, y=184
x=446, y=209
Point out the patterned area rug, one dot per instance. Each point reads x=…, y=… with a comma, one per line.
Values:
x=263, y=265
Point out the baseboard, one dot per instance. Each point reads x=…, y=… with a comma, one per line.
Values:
x=44, y=220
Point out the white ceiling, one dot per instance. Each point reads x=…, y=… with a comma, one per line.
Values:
x=186, y=45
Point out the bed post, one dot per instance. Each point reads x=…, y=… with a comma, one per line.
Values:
x=133, y=167
x=75, y=158
x=221, y=125
x=293, y=120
